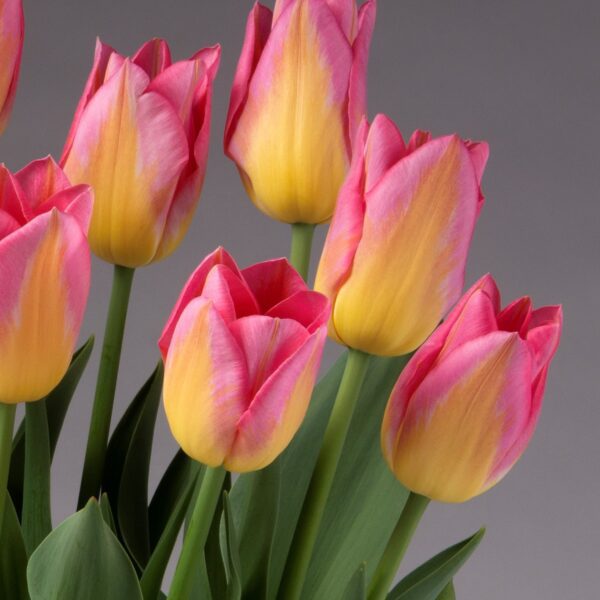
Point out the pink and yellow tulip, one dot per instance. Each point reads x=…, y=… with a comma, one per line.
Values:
x=394, y=258
x=44, y=275
x=11, y=48
x=242, y=350
x=298, y=96
x=465, y=407
x=140, y=138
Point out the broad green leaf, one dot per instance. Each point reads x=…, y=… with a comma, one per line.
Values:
x=429, y=580
x=364, y=506
x=82, y=560
x=157, y=565
x=366, y=499
x=230, y=549
x=173, y=484
x=57, y=404
x=357, y=587
x=448, y=593
x=128, y=465
x=13, y=556
x=106, y=511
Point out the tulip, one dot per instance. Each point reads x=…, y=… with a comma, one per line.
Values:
x=11, y=48
x=394, y=258
x=140, y=138
x=296, y=103
x=44, y=275
x=241, y=350
x=466, y=406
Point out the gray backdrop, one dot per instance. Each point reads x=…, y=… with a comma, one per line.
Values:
x=523, y=75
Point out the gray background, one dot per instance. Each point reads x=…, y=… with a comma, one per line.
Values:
x=523, y=75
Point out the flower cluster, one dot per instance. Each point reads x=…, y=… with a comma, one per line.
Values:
x=242, y=348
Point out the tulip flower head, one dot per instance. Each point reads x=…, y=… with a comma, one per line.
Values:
x=140, y=138
x=11, y=48
x=297, y=99
x=242, y=349
x=44, y=276
x=465, y=407
x=395, y=255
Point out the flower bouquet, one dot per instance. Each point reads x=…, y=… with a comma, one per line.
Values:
x=283, y=488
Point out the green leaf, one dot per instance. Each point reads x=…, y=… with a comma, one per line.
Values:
x=429, y=580
x=128, y=465
x=357, y=587
x=106, y=511
x=448, y=593
x=230, y=549
x=366, y=499
x=82, y=560
x=363, y=509
x=157, y=565
x=171, y=487
x=57, y=404
x=13, y=556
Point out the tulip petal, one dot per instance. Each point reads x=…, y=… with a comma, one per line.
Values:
x=544, y=333
x=192, y=289
x=154, y=57
x=516, y=316
x=384, y=148
x=229, y=294
x=40, y=315
x=346, y=228
x=76, y=200
x=298, y=90
x=258, y=28
x=411, y=257
x=132, y=149
x=473, y=316
x=102, y=55
x=205, y=387
x=266, y=344
x=307, y=308
x=465, y=415
x=200, y=73
x=347, y=16
x=357, y=90
x=273, y=281
x=11, y=196
x=39, y=180
x=277, y=410
x=11, y=49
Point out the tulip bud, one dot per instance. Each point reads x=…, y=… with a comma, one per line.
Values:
x=140, y=138
x=465, y=407
x=394, y=258
x=44, y=276
x=242, y=350
x=11, y=47
x=296, y=103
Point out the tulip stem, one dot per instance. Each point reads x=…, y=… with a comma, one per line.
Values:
x=37, y=520
x=323, y=475
x=302, y=238
x=106, y=385
x=397, y=545
x=197, y=533
x=7, y=423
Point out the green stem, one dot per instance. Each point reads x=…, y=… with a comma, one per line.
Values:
x=302, y=237
x=7, y=423
x=197, y=533
x=397, y=545
x=106, y=385
x=37, y=520
x=322, y=478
